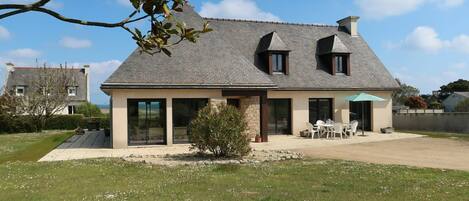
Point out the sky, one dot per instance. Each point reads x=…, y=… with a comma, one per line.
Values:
x=424, y=43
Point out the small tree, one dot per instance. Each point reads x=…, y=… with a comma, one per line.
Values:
x=89, y=110
x=220, y=130
x=400, y=96
x=435, y=105
x=416, y=102
x=462, y=106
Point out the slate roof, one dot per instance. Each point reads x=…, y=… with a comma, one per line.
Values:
x=272, y=42
x=331, y=44
x=464, y=94
x=227, y=58
x=26, y=76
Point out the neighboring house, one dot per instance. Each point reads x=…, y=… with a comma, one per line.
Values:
x=452, y=100
x=20, y=81
x=280, y=75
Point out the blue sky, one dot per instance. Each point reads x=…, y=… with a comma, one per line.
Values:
x=425, y=43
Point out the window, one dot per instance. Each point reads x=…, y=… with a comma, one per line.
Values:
x=146, y=121
x=72, y=109
x=320, y=109
x=72, y=91
x=233, y=102
x=277, y=63
x=341, y=64
x=19, y=91
x=184, y=111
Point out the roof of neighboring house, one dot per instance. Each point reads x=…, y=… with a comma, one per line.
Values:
x=27, y=76
x=464, y=94
x=228, y=58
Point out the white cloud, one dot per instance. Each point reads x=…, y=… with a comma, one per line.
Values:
x=461, y=43
x=378, y=9
x=75, y=43
x=24, y=53
x=424, y=38
x=238, y=9
x=4, y=33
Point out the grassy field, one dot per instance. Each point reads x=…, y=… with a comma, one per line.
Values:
x=436, y=134
x=29, y=146
x=310, y=179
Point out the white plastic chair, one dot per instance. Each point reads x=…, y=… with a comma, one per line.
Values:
x=338, y=129
x=352, y=129
x=314, y=129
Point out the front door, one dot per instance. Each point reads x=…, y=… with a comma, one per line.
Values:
x=361, y=111
x=146, y=122
x=279, y=116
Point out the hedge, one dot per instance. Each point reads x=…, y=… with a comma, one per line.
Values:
x=23, y=124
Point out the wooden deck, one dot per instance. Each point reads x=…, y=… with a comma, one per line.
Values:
x=91, y=139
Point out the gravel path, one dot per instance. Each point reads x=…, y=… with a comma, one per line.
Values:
x=420, y=152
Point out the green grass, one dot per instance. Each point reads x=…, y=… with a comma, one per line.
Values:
x=294, y=180
x=437, y=134
x=30, y=146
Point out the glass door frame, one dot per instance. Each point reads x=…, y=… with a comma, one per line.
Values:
x=290, y=116
x=163, y=107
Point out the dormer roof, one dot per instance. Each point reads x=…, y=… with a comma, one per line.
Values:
x=331, y=44
x=272, y=42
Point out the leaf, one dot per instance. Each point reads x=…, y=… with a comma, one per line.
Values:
x=148, y=8
x=136, y=4
x=166, y=10
x=167, y=25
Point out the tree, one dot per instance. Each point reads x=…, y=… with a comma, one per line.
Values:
x=416, y=102
x=89, y=110
x=405, y=91
x=459, y=85
x=462, y=106
x=164, y=25
x=48, y=94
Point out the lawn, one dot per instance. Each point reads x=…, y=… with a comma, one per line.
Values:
x=30, y=146
x=437, y=134
x=310, y=179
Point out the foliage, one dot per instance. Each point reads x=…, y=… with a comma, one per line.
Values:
x=220, y=130
x=64, y=122
x=416, y=102
x=459, y=85
x=462, y=106
x=89, y=110
x=17, y=124
x=159, y=13
x=400, y=96
x=435, y=105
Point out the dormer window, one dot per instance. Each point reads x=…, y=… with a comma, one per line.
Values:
x=278, y=63
x=335, y=56
x=19, y=91
x=72, y=91
x=341, y=62
x=273, y=54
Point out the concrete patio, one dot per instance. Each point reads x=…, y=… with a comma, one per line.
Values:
x=95, y=145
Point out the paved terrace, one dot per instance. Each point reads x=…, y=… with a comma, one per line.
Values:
x=95, y=145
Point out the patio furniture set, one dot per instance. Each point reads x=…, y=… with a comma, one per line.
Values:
x=331, y=129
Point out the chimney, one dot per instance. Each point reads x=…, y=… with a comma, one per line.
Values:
x=87, y=76
x=10, y=67
x=350, y=24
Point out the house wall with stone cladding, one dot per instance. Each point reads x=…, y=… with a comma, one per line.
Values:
x=249, y=106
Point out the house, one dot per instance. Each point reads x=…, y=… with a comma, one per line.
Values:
x=280, y=75
x=20, y=81
x=453, y=100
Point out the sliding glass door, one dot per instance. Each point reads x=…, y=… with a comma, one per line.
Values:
x=320, y=109
x=146, y=122
x=184, y=110
x=279, y=116
x=361, y=111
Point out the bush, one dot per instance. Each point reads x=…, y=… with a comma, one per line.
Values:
x=64, y=122
x=17, y=124
x=89, y=110
x=416, y=102
x=221, y=131
x=436, y=105
x=462, y=106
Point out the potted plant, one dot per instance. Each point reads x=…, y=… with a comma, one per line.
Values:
x=258, y=138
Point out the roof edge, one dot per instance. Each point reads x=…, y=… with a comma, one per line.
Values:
x=269, y=22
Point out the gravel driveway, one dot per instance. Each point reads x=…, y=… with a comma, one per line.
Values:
x=421, y=152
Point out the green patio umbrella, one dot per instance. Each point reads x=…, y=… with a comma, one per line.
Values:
x=362, y=97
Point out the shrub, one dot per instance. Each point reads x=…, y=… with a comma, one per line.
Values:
x=435, y=105
x=221, y=131
x=462, y=106
x=416, y=102
x=89, y=110
x=17, y=124
x=64, y=122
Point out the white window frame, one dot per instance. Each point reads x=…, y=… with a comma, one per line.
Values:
x=74, y=91
x=16, y=90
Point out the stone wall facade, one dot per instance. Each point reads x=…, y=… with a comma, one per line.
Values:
x=250, y=107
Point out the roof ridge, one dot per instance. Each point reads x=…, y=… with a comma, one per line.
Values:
x=34, y=68
x=270, y=22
